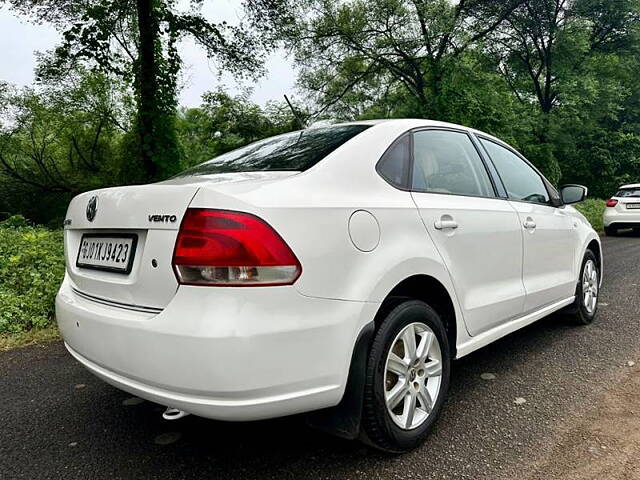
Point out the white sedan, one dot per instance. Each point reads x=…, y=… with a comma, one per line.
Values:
x=335, y=270
x=623, y=210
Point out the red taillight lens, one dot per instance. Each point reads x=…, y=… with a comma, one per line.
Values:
x=612, y=202
x=225, y=248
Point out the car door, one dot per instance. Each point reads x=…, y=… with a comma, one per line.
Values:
x=549, y=232
x=477, y=234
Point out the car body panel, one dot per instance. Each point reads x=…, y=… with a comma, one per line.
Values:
x=548, y=270
x=483, y=255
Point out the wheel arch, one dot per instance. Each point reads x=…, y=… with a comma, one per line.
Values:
x=431, y=291
x=595, y=246
x=344, y=420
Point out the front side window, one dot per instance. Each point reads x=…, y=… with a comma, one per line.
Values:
x=522, y=182
x=295, y=151
x=447, y=162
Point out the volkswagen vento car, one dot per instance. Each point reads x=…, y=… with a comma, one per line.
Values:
x=336, y=270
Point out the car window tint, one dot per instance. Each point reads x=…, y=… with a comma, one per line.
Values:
x=394, y=164
x=521, y=181
x=295, y=151
x=447, y=162
x=628, y=192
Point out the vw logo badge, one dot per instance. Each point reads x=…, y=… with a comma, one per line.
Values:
x=92, y=208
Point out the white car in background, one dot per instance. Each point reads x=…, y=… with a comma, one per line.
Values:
x=623, y=210
x=336, y=270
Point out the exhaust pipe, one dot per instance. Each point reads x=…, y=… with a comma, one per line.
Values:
x=173, y=414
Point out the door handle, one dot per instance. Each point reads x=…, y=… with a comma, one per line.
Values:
x=443, y=224
x=529, y=224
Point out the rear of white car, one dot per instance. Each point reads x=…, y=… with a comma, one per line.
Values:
x=187, y=336
x=260, y=337
x=623, y=210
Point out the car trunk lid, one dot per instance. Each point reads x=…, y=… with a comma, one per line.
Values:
x=147, y=219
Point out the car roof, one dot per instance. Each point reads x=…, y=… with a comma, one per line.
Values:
x=631, y=185
x=410, y=123
x=415, y=122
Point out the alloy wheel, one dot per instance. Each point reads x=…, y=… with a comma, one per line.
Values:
x=590, y=286
x=413, y=375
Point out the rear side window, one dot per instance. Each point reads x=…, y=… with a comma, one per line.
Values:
x=447, y=162
x=295, y=151
x=522, y=182
x=394, y=164
x=628, y=192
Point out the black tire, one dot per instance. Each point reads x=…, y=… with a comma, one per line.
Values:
x=379, y=429
x=610, y=231
x=578, y=312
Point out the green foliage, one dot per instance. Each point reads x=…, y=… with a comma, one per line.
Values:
x=60, y=139
x=542, y=155
x=353, y=54
x=31, y=269
x=9, y=341
x=15, y=221
x=593, y=208
x=223, y=123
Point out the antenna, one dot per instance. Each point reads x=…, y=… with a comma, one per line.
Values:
x=295, y=114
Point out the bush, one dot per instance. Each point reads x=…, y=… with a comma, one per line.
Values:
x=31, y=269
x=593, y=208
x=15, y=221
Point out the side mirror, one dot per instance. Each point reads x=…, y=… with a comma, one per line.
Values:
x=573, y=193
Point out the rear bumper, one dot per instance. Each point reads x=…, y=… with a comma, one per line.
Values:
x=613, y=218
x=222, y=353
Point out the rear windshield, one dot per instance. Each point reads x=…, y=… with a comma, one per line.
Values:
x=628, y=192
x=295, y=151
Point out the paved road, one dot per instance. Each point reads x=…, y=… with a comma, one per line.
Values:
x=58, y=421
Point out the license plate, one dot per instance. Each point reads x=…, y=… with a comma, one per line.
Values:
x=113, y=253
x=633, y=205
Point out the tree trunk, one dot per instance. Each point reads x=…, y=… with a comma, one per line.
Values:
x=434, y=91
x=147, y=84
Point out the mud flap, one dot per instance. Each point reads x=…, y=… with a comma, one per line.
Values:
x=343, y=420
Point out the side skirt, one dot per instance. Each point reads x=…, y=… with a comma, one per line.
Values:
x=500, y=331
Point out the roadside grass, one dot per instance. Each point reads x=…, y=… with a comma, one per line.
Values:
x=593, y=208
x=31, y=337
x=31, y=270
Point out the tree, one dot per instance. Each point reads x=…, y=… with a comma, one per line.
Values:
x=224, y=122
x=137, y=41
x=543, y=41
x=58, y=140
x=362, y=49
x=549, y=50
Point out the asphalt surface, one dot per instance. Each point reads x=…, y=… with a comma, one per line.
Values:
x=58, y=421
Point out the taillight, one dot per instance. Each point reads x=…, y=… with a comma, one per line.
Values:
x=226, y=248
x=612, y=202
